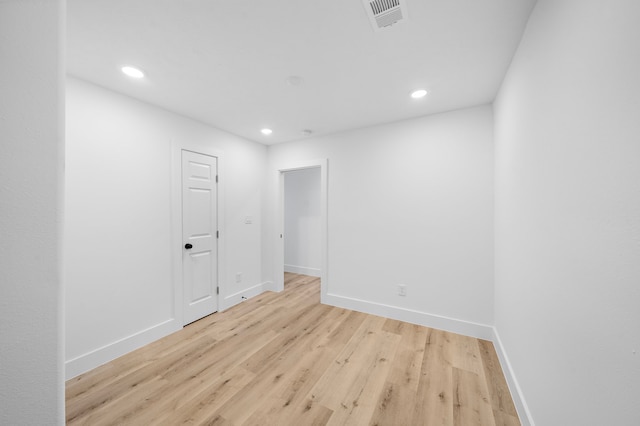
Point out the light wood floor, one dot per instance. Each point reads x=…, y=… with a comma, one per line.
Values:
x=285, y=359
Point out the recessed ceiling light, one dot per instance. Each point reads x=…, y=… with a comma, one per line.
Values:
x=294, y=80
x=132, y=72
x=417, y=94
x=307, y=132
x=266, y=131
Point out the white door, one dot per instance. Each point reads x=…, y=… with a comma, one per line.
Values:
x=199, y=235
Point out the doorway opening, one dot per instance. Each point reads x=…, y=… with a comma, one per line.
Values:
x=302, y=216
x=301, y=241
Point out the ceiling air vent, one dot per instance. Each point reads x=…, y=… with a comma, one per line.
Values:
x=384, y=13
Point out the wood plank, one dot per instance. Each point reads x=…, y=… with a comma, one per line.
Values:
x=196, y=380
x=352, y=384
x=104, y=396
x=123, y=403
x=465, y=353
x=434, y=400
x=272, y=366
x=203, y=407
x=292, y=405
x=504, y=419
x=407, y=362
x=396, y=402
x=501, y=400
x=471, y=405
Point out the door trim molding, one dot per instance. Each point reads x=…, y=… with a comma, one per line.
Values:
x=324, y=224
x=176, y=222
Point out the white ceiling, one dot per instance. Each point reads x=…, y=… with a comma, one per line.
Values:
x=226, y=63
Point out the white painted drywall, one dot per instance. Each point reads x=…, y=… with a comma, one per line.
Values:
x=302, y=226
x=409, y=203
x=118, y=263
x=568, y=213
x=31, y=146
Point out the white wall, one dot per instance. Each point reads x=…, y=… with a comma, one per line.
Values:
x=118, y=264
x=302, y=226
x=409, y=203
x=568, y=213
x=31, y=145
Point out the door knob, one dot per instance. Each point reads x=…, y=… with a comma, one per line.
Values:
x=188, y=246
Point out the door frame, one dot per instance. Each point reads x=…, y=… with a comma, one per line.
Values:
x=324, y=224
x=176, y=223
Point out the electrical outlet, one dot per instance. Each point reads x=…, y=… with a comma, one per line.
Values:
x=402, y=290
x=239, y=277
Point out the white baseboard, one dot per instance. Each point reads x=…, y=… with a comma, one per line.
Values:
x=512, y=382
x=93, y=359
x=97, y=357
x=269, y=286
x=467, y=328
x=248, y=293
x=312, y=272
